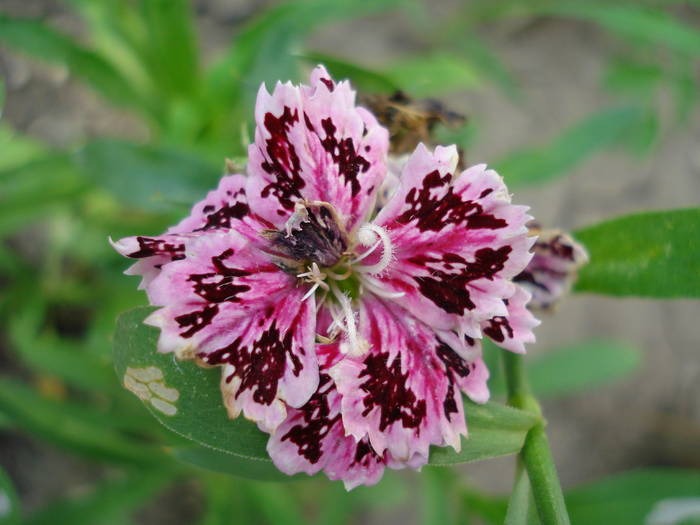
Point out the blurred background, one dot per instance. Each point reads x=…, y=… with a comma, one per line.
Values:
x=117, y=116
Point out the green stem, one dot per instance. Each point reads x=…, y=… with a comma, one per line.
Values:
x=519, y=498
x=535, y=454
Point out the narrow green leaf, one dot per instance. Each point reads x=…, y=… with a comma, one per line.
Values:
x=32, y=189
x=519, y=501
x=640, y=23
x=17, y=149
x=41, y=41
x=363, y=79
x=264, y=51
x=433, y=75
x=576, y=368
x=437, y=489
x=628, y=76
x=48, y=353
x=108, y=503
x=592, y=135
x=172, y=47
x=628, y=499
x=72, y=426
x=653, y=254
x=148, y=177
x=494, y=430
x=10, y=510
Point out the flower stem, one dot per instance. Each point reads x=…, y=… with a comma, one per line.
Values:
x=535, y=454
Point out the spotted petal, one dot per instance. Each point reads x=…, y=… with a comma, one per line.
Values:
x=404, y=393
x=224, y=208
x=312, y=142
x=553, y=269
x=313, y=437
x=457, y=241
x=226, y=304
x=513, y=330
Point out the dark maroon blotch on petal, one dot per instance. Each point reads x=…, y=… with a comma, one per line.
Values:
x=344, y=154
x=309, y=436
x=283, y=160
x=148, y=247
x=195, y=321
x=434, y=213
x=261, y=365
x=219, y=286
x=386, y=389
x=499, y=328
x=449, y=290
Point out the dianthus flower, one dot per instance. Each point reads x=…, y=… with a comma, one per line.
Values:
x=346, y=332
x=553, y=269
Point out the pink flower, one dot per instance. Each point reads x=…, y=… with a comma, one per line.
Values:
x=347, y=334
x=553, y=268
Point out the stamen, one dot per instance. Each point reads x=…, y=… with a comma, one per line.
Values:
x=315, y=276
x=355, y=345
x=310, y=292
x=367, y=234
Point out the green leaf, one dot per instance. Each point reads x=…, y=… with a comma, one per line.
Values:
x=200, y=414
x=627, y=499
x=106, y=504
x=226, y=463
x=433, y=75
x=639, y=23
x=172, y=48
x=576, y=368
x=653, y=254
x=41, y=41
x=592, y=135
x=519, y=501
x=17, y=149
x=32, y=189
x=46, y=352
x=265, y=50
x=9, y=502
x=363, y=79
x=437, y=497
x=629, y=76
x=72, y=426
x=148, y=177
x=494, y=430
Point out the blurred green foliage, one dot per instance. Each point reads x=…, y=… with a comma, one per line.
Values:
x=63, y=289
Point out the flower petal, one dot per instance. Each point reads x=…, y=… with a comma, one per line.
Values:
x=312, y=142
x=226, y=304
x=404, y=392
x=513, y=330
x=553, y=269
x=224, y=208
x=313, y=438
x=457, y=242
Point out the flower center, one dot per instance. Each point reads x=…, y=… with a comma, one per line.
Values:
x=340, y=267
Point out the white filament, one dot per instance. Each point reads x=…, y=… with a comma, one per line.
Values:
x=316, y=276
x=355, y=345
x=369, y=233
